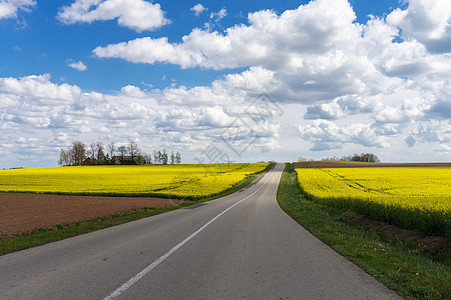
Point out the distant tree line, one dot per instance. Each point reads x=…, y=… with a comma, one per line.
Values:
x=364, y=157
x=79, y=154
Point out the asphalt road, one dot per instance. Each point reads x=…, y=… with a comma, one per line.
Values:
x=239, y=246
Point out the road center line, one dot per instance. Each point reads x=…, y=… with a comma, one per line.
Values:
x=150, y=267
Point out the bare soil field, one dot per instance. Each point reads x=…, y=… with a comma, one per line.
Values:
x=339, y=164
x=25, y=212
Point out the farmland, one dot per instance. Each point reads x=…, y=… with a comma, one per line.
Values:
x=415, y=197
x=180, y=181
x=90, y=192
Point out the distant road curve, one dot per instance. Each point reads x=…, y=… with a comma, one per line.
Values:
x=239, y=246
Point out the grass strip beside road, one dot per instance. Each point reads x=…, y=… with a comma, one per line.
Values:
x=42, y=236
x=402, y=266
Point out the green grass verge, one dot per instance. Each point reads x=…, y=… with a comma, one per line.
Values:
x=43, y=236
x=404, y=267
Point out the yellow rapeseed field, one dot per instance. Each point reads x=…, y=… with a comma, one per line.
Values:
x=187, y=181
x=413, y=197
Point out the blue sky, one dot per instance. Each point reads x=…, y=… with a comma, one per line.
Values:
x=46, y=44
x=343, y=77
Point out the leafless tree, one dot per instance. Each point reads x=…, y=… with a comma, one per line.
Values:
x=157, y=157
x=164, y=157
x=178, y=157
x=148, y=158
x=302, y=158
x=78, y=152
x=172, y=158
x=92, y=151
x=62, y=159
x=69, y=157
x=133, y=150
x=366, y=157
x=122, y=150
x=100, y=153
x=111, y=150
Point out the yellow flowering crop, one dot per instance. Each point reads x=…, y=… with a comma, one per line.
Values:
x=412, y=197
x=188, y=181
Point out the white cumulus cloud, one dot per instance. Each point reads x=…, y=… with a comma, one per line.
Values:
x=381, y=76
x=9, y=8
x=222, y=13
x=138, y=15
x=340, y=85
x=326, y=135
x=77, y=65
x=198, y=9
x=296, y=32
x=133, y=92
x=427, y=21
x=39, y=88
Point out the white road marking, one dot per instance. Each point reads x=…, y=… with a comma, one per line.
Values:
x=150, y=267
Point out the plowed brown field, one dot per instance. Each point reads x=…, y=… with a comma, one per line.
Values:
x=26, y=212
